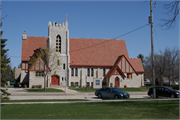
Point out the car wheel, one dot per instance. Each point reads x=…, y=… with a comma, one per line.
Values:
x=99, y=95
x=116, y=97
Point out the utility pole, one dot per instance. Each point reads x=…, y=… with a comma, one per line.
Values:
x=152, y=50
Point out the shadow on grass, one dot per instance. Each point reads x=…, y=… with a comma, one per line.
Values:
x=42, y=90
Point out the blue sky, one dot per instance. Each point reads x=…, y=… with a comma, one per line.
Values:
x=88, y=19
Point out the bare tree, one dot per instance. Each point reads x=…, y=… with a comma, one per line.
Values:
x=172, y=11
x=172, y=63
x=166, y=65
x=48, y=56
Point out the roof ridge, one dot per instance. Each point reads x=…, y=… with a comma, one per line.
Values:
x=98, y=39
x=36, y=36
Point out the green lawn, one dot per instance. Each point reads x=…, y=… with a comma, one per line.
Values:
x=44, y=100
x=42, y=90
x=108, y=110
x=123, y=89
x=135, y=89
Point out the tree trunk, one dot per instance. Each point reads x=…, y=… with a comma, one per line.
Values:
x=44, y=82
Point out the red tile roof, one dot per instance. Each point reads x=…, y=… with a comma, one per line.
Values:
x=96, y=52
x=137, y=64
x=86, y=52
x=31, y=44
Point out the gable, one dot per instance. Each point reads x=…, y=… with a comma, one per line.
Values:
x=125, y=65
x=39, y=65
x=115, y=70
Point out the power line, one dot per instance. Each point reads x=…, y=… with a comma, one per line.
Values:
x=131, y=31
x=111, y=39
x=104, y=41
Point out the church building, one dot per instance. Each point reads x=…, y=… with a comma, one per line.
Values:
x=80, y=61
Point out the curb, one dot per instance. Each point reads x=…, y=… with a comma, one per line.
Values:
x=89, y=101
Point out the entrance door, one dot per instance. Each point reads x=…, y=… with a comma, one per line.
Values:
x=117, y=81
x=55, y=80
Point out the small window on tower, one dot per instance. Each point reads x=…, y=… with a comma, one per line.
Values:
x=64, y=66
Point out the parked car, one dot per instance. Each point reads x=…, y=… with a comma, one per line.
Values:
x=111, y=92
x=164, y=92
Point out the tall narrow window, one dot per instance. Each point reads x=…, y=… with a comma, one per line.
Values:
x=88, y=72
x=92, y=72
x=58, y=43
x=76, y=72
x=64, y=66
x=72, y=71
x=104, y=72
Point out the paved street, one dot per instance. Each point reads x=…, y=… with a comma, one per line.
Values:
x=21, y=94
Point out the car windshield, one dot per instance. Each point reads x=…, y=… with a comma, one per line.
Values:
x=117, y=90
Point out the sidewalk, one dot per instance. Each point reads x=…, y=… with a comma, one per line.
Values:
x=21, y=94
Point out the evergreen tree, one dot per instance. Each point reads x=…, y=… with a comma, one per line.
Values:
x=4, y=60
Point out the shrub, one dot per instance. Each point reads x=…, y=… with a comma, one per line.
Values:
x=18, y=84
x=176, y=87
x=33, y=86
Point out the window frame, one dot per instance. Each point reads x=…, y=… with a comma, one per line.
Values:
x=58, y=43
x=76, y=72
x=104, y=71
x=88, y=72
x=97, y=81
x=39, y=74
x=72, y=71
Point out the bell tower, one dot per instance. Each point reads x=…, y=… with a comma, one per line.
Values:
x=58, y=42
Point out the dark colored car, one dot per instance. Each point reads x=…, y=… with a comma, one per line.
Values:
x=164, y=92
x=111, y=92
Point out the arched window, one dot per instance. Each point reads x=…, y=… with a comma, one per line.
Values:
x=58, y=43
x=64, y=66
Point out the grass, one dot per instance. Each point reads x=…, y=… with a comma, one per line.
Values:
x=123, y=89
x=135, y=89
x=42, y=90
x=108, y=110
x=47, y=100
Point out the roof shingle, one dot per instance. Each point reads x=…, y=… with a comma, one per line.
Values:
x=31, y=44
x=86, y=52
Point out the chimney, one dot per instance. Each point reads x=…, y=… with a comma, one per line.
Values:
x=24, y=35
